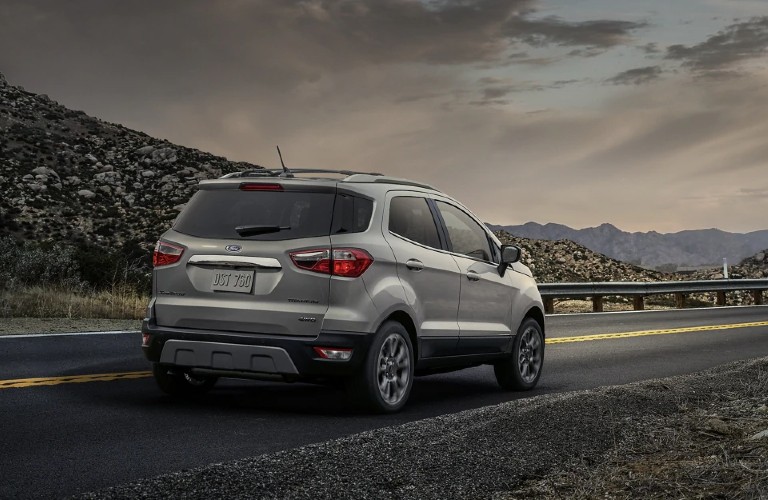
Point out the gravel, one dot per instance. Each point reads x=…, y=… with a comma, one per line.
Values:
x=504, y=451
x=20, y=326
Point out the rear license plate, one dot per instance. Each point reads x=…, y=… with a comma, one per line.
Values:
x=232, y=281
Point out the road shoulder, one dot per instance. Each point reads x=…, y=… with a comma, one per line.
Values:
x=23, y=326
x=549, y=446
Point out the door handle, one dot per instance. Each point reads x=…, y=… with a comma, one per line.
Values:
x=473, y=276
x=414, y=265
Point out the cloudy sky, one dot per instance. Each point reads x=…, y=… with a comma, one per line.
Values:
x=649, y=115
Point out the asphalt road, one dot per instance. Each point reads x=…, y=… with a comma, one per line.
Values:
x=73, y=437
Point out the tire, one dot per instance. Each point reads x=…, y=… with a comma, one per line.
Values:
x=386, y=377
x=521, y=371
x=175, y=382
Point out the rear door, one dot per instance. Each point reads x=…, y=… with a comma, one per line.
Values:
x=485, y=307
x=429, y=275
x=245, y=281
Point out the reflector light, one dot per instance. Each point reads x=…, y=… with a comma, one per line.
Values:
x=345, y=262
x=146, y=338
x=334, y=353
x=260, y=186
x=166, y=254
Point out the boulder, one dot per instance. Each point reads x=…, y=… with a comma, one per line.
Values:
x=143, y=151
x=87, y=194
x=760, y=435
x=164, y=155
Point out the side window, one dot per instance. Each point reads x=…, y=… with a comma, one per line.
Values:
x=351, y=214
x=466, y=235
x=411, y=218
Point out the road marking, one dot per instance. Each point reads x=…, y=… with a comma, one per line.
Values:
x=109, y=377
x=669, y=331
x=71, y=379
x=69, y=334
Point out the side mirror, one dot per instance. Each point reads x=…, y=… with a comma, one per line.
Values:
x=509, y=255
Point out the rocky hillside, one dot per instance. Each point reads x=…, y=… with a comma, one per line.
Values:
x=652, y=249
x=564, y=261
x=69, y=177
x=755, y=267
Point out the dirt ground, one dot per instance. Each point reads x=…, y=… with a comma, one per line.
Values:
x=714, y=446
x=18, y=326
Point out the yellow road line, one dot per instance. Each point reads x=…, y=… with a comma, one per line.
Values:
x=71, y=379
x=624, y=335
x=109, y=377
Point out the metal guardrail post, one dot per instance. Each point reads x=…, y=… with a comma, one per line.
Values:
x=721, y=298
x=638, y=302
x=680, y=300
x=549, y=305
x=597, y=303
x=757, y=297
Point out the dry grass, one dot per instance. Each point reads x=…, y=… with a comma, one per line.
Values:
x=51, y=302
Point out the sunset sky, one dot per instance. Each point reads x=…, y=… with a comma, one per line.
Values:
x=650, y=115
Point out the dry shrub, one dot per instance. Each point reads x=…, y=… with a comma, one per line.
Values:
x=53, y=302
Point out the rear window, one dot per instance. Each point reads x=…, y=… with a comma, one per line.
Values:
x=216, y=213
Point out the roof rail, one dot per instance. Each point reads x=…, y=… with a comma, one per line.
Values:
x=351, y=176
x=391, y=180
x=280, y=173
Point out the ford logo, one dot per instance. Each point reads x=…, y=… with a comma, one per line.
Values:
x=233, y=248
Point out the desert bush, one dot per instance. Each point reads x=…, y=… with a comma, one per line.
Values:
x=28, y=264
x=74, y=281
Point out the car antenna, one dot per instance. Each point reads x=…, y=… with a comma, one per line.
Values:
x=286, y=171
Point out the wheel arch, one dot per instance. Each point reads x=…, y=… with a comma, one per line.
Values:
x=405, y=319
x=538, y=315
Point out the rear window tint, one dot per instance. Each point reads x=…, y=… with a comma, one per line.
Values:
x=216, y=214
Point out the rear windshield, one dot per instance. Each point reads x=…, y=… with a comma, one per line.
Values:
x=216, y=213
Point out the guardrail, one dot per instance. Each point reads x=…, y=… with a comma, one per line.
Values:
x=639, y=290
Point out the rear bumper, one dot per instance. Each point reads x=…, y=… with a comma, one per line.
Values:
x=243, y=354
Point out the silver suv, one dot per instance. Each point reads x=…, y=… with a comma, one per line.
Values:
x=362, y=278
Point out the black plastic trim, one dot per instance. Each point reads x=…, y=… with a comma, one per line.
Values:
x=300, y=349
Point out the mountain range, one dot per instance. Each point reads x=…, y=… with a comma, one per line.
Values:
x=668, y=252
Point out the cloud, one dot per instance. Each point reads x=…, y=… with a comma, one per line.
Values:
x=556, y=31
x=636, y=76
x=737, y=43
x=387, y=86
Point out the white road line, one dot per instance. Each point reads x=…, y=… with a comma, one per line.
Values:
x=70, y=334
x=645, y=311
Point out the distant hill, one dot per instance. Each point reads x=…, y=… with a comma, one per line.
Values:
x=652, y=250
x=564, y=261
x=68, y=177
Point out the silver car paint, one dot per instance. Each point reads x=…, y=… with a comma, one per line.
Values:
x=431, y=298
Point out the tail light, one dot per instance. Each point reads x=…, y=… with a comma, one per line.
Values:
x=346, y=262
x=260, y=186
x=166, y=254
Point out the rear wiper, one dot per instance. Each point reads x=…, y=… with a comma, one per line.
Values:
x=254, y=230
